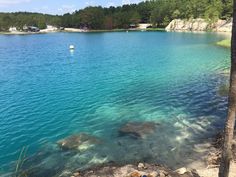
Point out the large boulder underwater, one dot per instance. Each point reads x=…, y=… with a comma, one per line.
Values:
x=138, y=129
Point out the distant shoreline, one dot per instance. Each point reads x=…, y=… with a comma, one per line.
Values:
x=75, y=30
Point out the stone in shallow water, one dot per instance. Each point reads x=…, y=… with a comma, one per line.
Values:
x=80, y=142
x=138, y=129
x=223, y=90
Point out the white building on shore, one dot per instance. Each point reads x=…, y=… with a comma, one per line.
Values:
x=13, y=29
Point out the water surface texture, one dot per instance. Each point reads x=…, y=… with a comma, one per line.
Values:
x=48, y=92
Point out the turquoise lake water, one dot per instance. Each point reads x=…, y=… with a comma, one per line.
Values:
x=48, y=92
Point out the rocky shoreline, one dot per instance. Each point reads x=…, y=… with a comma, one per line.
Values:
x=178, y=25
x=206, y=167
x=74, y=148
x=133, y=170
x=212, y=161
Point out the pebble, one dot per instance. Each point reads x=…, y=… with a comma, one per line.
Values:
x=181, y=171
x=135, y=174
x=153, y=174
x=76, y=174
x=163, y=173
x=141, y=165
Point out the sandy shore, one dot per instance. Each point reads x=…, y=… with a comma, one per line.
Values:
x=74, y=30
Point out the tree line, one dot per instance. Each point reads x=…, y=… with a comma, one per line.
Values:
x=157, y=12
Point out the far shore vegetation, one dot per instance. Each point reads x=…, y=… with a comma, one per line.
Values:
x=156, y=12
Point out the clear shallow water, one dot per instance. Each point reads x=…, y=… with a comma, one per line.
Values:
x=48, y=93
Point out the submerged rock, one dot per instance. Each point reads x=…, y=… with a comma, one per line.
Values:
x=80, y=142
x=223, y=90
x=138, y=129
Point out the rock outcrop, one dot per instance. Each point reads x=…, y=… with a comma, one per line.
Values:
x=199, y=24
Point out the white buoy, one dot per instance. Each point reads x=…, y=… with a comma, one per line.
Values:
x=72, y=47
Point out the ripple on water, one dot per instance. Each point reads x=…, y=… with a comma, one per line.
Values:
x=47, y=94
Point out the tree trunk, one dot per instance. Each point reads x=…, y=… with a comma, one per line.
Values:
x=230, y=121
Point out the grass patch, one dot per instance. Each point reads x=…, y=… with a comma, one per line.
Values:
x=224, y=43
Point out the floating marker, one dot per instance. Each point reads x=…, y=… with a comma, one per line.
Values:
x=72, y=47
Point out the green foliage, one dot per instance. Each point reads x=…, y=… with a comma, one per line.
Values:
x=227, y=9
x=176, y=14
x=19, y=19
x=157, y=12
x=135, y=18
x=213, y=11
x=164, y=11
x=90, y=17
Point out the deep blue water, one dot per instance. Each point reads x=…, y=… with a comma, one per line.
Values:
x=48, y=92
